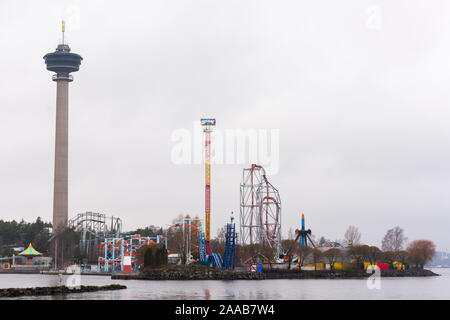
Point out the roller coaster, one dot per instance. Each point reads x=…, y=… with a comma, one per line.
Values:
x=94, y=227
x=187, y=233
x=260, y=209
x=115, y=249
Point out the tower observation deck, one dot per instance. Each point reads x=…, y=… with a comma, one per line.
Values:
x=63, y=62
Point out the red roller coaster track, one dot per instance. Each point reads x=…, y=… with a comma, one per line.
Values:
x=265, y=209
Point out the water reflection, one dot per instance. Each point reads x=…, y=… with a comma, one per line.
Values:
x=392, y=288
x=207, y=294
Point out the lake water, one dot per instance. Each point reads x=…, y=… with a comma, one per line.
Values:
x=391, y=288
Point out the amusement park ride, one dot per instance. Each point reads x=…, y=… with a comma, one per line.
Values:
x=303, y=234
x=115, y=250
x=208, y=125
x=260, y=223
x=260, y=218
x=194, y=239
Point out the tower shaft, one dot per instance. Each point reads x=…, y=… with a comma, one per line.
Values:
x=207, y=191
x=60, y=187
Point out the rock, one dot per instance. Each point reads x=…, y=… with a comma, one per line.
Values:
x=40, y=291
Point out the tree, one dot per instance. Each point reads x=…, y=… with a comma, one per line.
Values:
x=289, y=250
x=352, y=237
x=373, y=254
x=420, y=252
x=394, y=240
x=316, y=255
x=176, y=243
x=221, y=234
x=179, y=241
x=218, y=243
x=67, y=243
x=389, y=257
x=22, y=233
x=332, y=256
x=150, y=231
x=292, y=247
x=291, y=234
x=270, y=253
x=244, y=253
x=360, y=254
x=402, y=257
x=302, y=253
x=152, y=256
x=322, y=241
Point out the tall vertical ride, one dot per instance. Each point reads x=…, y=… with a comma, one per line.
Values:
x=208, y=125
x=62, y=62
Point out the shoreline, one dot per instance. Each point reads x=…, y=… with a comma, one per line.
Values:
x=205, y=273
x=11, y=271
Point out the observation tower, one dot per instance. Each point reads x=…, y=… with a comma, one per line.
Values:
x=63, y=63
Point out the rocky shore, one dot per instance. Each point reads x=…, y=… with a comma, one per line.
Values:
x=50, y=291
x=196, y=272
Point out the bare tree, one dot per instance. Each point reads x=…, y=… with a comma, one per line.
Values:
x=221, y=234
x=251, y=250
x=316, y=254
x=292, y=247
x=322, y=241
x=332, y=256
x=302, y=252
x=360, y=254
x=218, y=243
x=389, y=257
x=182, y=238
x=394, y=240
x=289, y=249
x=291, y=234
x=352, y=237
x=373, y=254
x=178, y=219
x=402, y=257
x=270, y=254
x=176, y=243
x=420, y=252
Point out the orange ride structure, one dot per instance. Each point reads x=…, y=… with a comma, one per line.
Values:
x=208, y=125
x=117, y=249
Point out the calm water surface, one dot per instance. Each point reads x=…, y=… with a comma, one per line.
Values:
x=391, y=288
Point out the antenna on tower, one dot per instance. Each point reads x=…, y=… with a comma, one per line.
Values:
x=63, y=30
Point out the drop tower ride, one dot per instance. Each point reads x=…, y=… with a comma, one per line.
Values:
x=208, y=125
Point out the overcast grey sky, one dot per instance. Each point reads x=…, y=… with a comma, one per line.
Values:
x=358, y=90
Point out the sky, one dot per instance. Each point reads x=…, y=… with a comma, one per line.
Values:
x=356, y=92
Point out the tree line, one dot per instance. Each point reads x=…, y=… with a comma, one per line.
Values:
x=417, y=253
x=20, y=234
x=394, y=249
